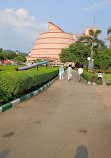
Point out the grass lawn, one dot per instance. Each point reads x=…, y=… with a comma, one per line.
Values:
x=107, y=77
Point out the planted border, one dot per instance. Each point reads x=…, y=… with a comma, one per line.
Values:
x=23, y=98
x=17, y=84
x=90, y=78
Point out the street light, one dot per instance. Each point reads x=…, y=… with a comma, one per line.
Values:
x=91, y=63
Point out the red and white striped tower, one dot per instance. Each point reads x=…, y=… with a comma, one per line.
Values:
x=49, y=44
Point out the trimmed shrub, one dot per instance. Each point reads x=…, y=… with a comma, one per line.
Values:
x=90, y=77
x=14, y=84
x=108, y=83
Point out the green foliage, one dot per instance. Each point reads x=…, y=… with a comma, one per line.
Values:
x=75, y=53
x=20, y=59
x=1, y=50
x=102, y=58
x=108, y=83
x=39, y=60
x=14, y=84
x=90, y=77
x=109, y=30
x=107, y=77
x=12, y=55
x=92, y=40
x=1, y=55
x=106, y=71
x=94, y=77
x=5, y=55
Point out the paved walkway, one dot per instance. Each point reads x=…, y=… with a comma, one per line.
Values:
x=68, y=120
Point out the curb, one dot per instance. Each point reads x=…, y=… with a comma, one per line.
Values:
x=25, y=97
x=90, y=83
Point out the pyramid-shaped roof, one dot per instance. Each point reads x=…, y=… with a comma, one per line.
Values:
x=53, y=28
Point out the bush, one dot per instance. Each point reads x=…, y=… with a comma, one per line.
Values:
x=108, y=83
x=20, y=59
x=90, y=77
x=14, y=84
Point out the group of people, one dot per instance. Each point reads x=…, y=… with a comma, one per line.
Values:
x=69, y=72
x=80, y=71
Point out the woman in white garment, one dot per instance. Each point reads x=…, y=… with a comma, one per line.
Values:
x=61, y=72
x=69, y=72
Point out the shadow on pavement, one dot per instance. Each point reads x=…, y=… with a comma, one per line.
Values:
x=81, y=152
x=4, y=153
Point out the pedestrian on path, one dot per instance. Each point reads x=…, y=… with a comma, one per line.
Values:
x=80, y=71
x=61, y=72
x=100, y=76
x=69, y=72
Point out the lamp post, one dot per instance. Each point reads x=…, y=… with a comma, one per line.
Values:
x=91, y=63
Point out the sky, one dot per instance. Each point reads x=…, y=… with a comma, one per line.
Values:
x=21, y=21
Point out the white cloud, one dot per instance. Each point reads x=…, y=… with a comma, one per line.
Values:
x=18, y=28
x=20, y=20
x=99, y=5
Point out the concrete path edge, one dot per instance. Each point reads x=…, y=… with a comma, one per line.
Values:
x=90, y=83
x=25, y=97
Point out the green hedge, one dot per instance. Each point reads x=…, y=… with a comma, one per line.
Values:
x=14, y=84
x=108, y=83
x=90, y=77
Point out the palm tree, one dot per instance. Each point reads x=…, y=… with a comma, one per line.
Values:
x=109, y=30
x=109, y=37
x=92, y=40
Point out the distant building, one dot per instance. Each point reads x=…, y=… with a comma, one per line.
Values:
x=49, y=44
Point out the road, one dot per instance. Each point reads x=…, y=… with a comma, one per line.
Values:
x=68, y=120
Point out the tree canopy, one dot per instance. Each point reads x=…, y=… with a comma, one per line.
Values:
x=20, y=59
x=102, y=58
x=11, y=55
x=1, y=55
x=75, y=53
x=92, y=40
x=79, y=52
x=109, y=30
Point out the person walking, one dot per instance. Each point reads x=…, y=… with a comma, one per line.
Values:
x=80, y=71
x=61, y=73
x=69, y=72
x=100, y=76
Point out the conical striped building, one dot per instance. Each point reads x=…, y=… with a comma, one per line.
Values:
x=49, y=44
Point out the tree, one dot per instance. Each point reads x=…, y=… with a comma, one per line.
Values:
x=92, y=40
x=20, y=59
x=77, y=53
x=12, y=55
x=1, y=55
x=1, y=50
x=5, y=55
x=102, y=58
x=109, y=30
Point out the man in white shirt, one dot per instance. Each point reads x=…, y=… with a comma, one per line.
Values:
x=80, y=71
x=100, y=76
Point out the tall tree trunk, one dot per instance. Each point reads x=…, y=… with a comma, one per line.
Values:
x=92, y=50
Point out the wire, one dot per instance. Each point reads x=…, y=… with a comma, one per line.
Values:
x=22, y=27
